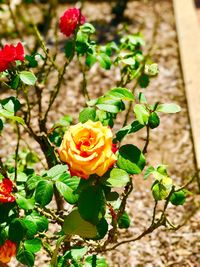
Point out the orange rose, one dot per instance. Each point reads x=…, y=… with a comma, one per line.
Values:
x=87, y=149
x=7, y=251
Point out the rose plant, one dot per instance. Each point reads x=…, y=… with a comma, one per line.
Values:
x=89, y=169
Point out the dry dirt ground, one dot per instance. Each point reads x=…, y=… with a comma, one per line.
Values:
x=170, y=144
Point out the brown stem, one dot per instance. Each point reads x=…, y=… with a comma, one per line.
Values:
x=17, y=151
x=147, y=140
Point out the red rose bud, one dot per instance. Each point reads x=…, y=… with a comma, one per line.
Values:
x=9, y=54
x=114, y=148
x=70, y=20
x=6, y=187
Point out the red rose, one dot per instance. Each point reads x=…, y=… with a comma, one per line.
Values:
x=69, y=21
x=114, y=148
x=9, y=54
x=7, y=251
x=6, y=187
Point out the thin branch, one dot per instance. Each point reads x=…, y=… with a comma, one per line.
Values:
x=147, y=140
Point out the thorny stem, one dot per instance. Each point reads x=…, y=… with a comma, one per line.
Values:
x=50, y=214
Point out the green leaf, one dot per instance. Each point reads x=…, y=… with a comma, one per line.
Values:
x=24, y=203
x=108, y=108
x=161, y=189
x=168, y=108
x=33, y=245
x=128, y=61
x=178, y=198
x=105, y=61
x=33, y=181
x=74, y=224
x=7, y=115
x=55, y=172
x=102, y=229
x=143, y=81
x=32, y=61
x=31, y=227
x=91, y=204
x=11, y=104
x=27, y=77
x=148, y=172
x=132, y=128
x=3, y=236
x=116, y=178
x=77, y=253
x=44, y=193
x=25, y=257
x=69, y=48
x=154, y=120
x=14, y=83
x=17, y=230
x=40, y=221
x=87, y=114
x=141, y=113
x=1, y=125
x=67, y=192
x=121, y=94
x=131, y=159
x=87, y=28
x=124, y=221
x=152, y=69
x=95, y=261
x=90, y=60
x=142, y=98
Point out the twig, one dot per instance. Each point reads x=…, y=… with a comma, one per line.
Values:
x=147, y=140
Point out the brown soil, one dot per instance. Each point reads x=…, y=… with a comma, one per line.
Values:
x=170, y=144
